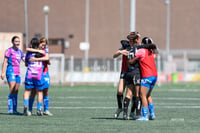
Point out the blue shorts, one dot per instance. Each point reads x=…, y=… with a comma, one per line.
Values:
x=149, y=82
x=34, y=84
x=13, y=78
x=46, y=80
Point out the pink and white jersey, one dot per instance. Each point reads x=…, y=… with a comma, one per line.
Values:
x=14, y=57
x=35, y=69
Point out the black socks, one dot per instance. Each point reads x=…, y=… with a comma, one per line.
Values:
x=119, y=101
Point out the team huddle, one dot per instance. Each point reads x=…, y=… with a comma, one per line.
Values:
x=37, y=79
x=138, y=76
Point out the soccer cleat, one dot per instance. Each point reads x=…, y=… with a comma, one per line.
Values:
x=132, y=115
x=152, y=116
x=39, y=113
x=10, y=112
x=137, y=117
x=117, y=112
x=143, y=119
x=26, y=112
x=47, y=113
x=125, y=116
x=17, y=113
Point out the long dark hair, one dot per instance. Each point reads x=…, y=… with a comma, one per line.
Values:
x=34, y=43
x=13, y=38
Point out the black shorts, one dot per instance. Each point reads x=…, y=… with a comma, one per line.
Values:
x=122, y=75
x=133, y=77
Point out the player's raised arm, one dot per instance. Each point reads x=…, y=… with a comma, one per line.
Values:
x=35, y=50
x=120, y=52
x=37, y=58
x=123, y=50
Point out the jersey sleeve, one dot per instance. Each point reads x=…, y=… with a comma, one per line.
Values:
x=140, y=53
x=7, y=53
x=125, y=44
x=22, y=55
x=26, y=57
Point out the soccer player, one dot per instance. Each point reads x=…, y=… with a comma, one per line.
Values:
x=132, y=78
x=121, y=85
x=34, y=79
x=12, y=59
x=149, y=78
x=43, y=50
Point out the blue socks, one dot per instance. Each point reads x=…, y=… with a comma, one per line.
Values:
x=151, y=108
x=145, y=112
x=15, y=99
x=10, y=103
x=30, y=105
x=39, y=105
x=46, y=102
x=25, y=102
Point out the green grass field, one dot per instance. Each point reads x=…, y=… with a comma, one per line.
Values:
x=90, y=109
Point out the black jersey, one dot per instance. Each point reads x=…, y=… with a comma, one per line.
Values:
x=135, y=66
x=133, y=75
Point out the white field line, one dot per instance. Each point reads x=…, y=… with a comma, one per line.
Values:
x=108, y=103
x=156, y=89
x=114, y=89
x=177, y=119
x=78, y=107
x=112, y=97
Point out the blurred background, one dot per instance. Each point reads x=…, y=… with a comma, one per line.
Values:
x=84, y=34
